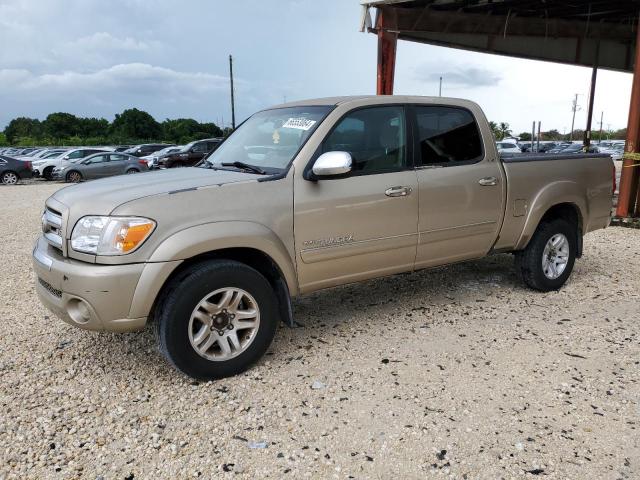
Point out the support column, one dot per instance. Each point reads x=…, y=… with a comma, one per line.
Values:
x=387, y=42
x=628, y=196
x=592, y=96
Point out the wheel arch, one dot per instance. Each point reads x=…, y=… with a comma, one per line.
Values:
x=559, y=200
x=251, y=244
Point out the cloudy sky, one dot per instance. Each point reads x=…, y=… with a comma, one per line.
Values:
x=170, y=58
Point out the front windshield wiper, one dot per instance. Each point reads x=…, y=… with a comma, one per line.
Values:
x=244, y=166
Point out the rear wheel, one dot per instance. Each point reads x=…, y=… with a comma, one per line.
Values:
x=9, y=178
x=217, y=319
x=177, y=165
x=73, y=177
x=548, y=260
x=131, y=171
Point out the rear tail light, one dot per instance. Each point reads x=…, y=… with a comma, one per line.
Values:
x=29, y=166
x=144, y=162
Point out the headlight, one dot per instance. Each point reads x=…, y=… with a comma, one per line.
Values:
x=110, y=235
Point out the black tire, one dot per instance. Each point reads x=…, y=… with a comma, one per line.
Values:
x=181, y=297
x=132, y=170
x=9, y=177
x=529, y=261
x=177, y=165
x=47, y=173
x=73, y=177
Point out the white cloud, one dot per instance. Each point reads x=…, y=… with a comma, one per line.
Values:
x=138, y=78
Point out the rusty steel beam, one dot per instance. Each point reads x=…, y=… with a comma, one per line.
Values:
x=629, y=192
x=387, y=45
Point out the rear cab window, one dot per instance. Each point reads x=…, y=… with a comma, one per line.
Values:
x=446, y=136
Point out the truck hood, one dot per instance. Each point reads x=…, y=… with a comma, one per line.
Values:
x=101, y=197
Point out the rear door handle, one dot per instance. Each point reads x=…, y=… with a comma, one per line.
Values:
x=397, y=191
x=488, y=181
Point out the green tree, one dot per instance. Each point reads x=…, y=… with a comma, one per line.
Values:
x=133, y=124
x=61, y=125
x=494, y=129
x=92, y=127
x=551, y=135
x=3, y=140
x=503, y=130
x=525, y=136
x=22, y=127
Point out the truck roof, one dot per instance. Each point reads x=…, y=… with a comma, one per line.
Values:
x=377, y=99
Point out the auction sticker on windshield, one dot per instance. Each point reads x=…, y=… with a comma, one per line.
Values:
x=299, y=123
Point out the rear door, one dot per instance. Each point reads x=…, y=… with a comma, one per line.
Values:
x=360, y=226
x=115, y=165
x=461, y=186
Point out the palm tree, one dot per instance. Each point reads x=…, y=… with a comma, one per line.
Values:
x=504, y=130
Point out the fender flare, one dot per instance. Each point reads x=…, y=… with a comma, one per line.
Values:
x=214, y=236
x=556, y=193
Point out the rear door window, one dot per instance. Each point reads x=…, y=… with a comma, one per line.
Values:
x=447, y=136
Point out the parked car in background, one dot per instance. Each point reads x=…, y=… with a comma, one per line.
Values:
x=578, y=148
x=616, y=150
x=190, y=154
x=12, y=170
x=507, y=147
x=122, y=148
x=152, y=160
x=146, y=149
x=44, y=168
x=100, y=165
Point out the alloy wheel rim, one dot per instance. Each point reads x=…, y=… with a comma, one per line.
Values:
x=555, y=256
x=74, y=177
x=10, y=178
x=224, y=324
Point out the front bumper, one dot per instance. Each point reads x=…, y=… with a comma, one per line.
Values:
x=87, y=295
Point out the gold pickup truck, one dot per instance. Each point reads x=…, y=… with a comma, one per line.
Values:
x=305, y=196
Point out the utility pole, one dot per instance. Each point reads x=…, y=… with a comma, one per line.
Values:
x=440, y=87
x=539, y=127
x=533, y=135
x=233, y=107
x=601, y=119
x=574, y=108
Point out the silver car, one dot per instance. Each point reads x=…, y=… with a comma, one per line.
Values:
x=100, y=165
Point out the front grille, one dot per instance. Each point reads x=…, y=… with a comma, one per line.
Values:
x=53, y=291
x=52, y=227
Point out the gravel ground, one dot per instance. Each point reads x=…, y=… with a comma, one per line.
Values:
x=457, y=372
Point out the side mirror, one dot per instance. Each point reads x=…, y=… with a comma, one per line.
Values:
x=332, y=164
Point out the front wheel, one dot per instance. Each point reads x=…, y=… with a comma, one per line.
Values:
x=548, y=260
x=217, y=319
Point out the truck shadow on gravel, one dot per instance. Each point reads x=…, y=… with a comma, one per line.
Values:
x=362, y=305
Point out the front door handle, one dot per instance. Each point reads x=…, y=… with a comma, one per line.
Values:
x=488, y=181
x=397, y=191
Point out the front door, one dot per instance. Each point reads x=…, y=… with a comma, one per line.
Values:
x=461, y=186
x=94, y=166
x=363, y=225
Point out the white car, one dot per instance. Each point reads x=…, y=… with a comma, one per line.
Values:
x=44, y=168
x=508, y=147
x=152, y=159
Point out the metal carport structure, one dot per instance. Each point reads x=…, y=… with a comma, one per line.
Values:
x=590, y=33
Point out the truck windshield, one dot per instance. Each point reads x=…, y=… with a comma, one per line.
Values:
x=269, y=139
